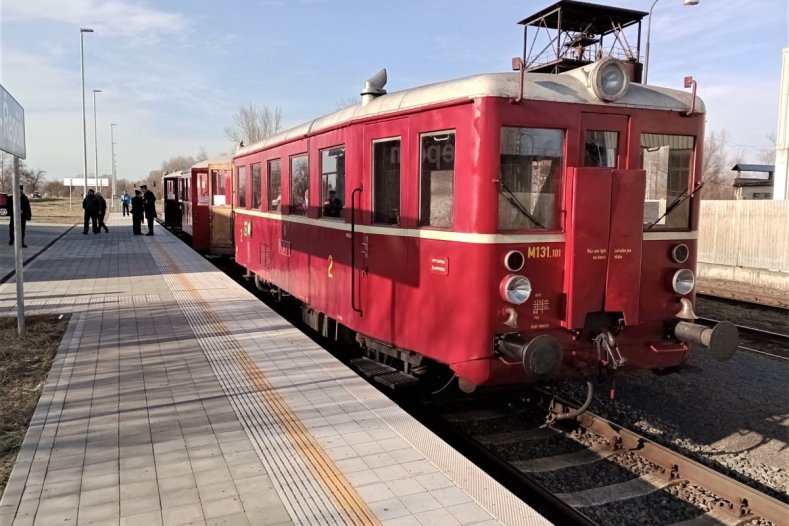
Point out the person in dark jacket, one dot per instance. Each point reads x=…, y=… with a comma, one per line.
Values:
x=137, y=212
x=91, y=205
x=27, y=215
x=102, y=211
x=150, y=208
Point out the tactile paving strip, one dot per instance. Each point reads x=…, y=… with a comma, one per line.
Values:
x=309, y=483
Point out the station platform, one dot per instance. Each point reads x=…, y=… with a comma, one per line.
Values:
x=177, y=397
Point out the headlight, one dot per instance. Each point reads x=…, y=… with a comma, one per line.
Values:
x=680, y=253
x=515, y=289
x=683, y=281
x=609, y=80
x=514, y=260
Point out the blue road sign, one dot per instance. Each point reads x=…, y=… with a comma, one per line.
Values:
x=12, y=126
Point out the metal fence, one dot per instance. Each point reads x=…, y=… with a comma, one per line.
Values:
x=752, y=234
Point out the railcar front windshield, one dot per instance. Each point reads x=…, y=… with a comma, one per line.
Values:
x=668, y=161
x=531, y=164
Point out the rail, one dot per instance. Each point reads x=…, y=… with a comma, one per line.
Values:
x=754, y=334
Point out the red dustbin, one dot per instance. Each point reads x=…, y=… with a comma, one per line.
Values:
x=3, y=204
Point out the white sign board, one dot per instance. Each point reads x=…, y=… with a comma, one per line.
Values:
x=78, y=181
x=12, y=125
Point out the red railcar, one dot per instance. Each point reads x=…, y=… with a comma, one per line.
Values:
x=196, y=203
x=512, y=242
x=515, y=227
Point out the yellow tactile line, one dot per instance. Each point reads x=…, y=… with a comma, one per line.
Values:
x=330, y=477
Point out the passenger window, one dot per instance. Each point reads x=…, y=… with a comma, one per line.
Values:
x=333, y=181
x=202, y=189
x=170, y=189
x=531, y=160
x=601, y=148
x=438, y=179
x=299, y=185
x=667, y=160
x=256, y=187
x=274, y=186
x=218, y=177
x=386, y=182
x=241, y=184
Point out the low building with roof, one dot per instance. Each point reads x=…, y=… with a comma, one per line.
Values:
x=753, y=186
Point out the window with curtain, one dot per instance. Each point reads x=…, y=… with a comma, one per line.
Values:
x=668, y=161
x=437, y=179
x=531, y=164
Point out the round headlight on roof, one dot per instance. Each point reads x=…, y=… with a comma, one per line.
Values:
x=683, y=281
x=609, y=80
x=515, y=289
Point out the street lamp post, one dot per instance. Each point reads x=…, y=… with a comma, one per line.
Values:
x=96, y=138
x=112, y=140
x=649, y=32
x=82, y=31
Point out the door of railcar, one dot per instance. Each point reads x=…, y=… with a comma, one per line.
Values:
x=221, y=220
x=172, y=204
x=605, y=221
x=382, y=247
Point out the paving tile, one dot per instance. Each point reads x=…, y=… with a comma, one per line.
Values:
x=222, y=507
x=268, y=516
x=98, y=496
x=236, y=519
x=169, y=483
x=220, y=490
x=190, y=513
x=150, y=518
x=100, y=512
x=137, y=505
x=179, y=497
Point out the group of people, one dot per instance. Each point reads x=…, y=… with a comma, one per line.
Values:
x=143, y=205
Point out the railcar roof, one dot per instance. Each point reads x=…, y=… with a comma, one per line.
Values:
x=221, y=159
x=569, y=87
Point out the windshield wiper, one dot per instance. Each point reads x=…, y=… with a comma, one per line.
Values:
x=519, y=206
x=681, y=198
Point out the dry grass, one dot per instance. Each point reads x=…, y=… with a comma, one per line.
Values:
x=24, y=365
x=56, y=210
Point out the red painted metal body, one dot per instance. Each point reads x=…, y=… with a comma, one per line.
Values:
x=435, y=291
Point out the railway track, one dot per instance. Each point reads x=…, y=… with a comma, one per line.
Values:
x=759, y=341
x=604, y=473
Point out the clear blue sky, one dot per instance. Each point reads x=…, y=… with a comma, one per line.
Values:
x=173, y=73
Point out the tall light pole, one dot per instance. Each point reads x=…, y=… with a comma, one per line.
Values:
x=96, y=138
x=649, y=32
x=82, y=31
x=112, y=140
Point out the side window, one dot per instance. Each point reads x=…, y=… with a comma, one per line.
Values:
x=531, y=160
x=437, y=179
x=202, y=189
x=170, y=189
x=332, y=181
x=241, y=184
x=667, y=160
x=274, y=181
x=299, y=185
x=218, y=178
x=601, y=148
x=256, y=187
x=386, y=181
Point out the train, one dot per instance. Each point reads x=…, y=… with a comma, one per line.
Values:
x=511, y=228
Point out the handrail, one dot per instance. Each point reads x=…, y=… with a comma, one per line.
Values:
x=353, y=251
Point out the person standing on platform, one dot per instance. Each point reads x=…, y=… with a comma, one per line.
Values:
x=102, y=211
x=125, y=202
x=91, y=206
x=137, y=212
x=150, y=208
x=27, y=215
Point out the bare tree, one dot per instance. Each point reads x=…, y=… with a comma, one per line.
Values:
x=202, y=155
x=768, y=156
x=252, y=124
x=716, y=168
x=55, y=189
x=347, y=102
